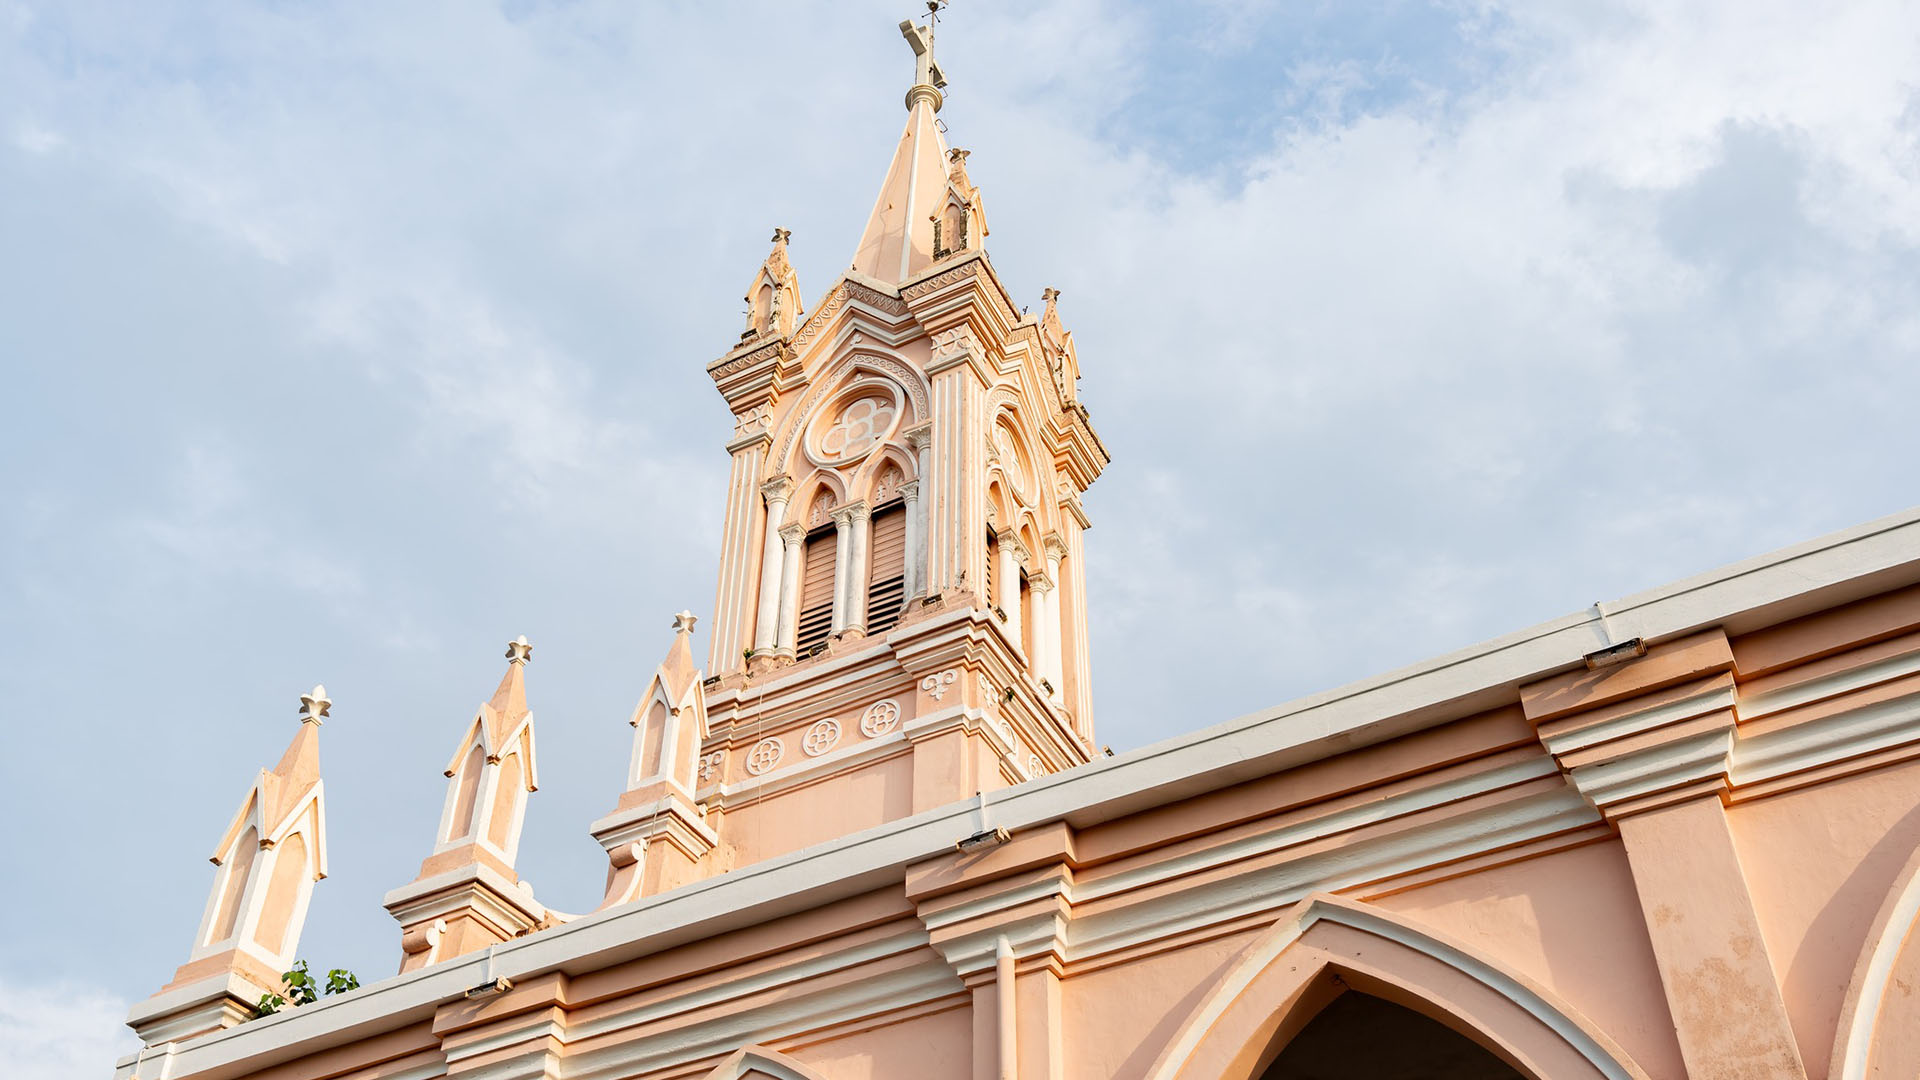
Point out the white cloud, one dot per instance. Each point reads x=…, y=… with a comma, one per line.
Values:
x=59, y=1030
x=1404, y=361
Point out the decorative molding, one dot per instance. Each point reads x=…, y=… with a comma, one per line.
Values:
x=833, y=381
x=770, y=351
x=937, y=684
x=765, y=755
x=918, y=289
x=820, y=737
x=1579, y=1035
x=880, y=718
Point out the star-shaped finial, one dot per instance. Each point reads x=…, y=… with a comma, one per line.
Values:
x=314, y=705
x=683, y=622
x=518, y=651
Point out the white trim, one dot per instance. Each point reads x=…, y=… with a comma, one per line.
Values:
x=1764, y=755
x=1767, y=703
x=1295, y=926
x=1096, y=933
x=1713, y=698
x=1656, y=768
x=857, y=999
x=1859, y=562
x=1853, y=1042
x=675, y=1004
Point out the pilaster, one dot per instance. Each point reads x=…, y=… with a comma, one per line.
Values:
x=1648, y=742
x=1000, y=917
x=956, y=507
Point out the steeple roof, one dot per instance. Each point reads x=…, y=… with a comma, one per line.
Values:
x=898, y=240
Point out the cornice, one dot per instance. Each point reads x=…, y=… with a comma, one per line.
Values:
x=1283, y=864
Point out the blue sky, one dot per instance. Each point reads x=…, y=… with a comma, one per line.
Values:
x=346, y=342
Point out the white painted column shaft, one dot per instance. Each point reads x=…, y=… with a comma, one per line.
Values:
x=858, y=573
x=842, y=557
x=1007, y=576
x=767, y=624
x=790, y=539
x=910, y=496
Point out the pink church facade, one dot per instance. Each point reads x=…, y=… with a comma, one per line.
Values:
x=1676, y=835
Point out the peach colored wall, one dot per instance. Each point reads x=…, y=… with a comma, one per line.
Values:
x=1820, y=861
x=1118, y=1018
x=933, y=1047
x=1571, y=921
x=800, y=817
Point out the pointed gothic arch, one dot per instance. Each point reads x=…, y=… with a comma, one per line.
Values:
x=1326, y=942
x=754, y=1062
x=1879, y=1030
x=818, y=485
x=895, y=454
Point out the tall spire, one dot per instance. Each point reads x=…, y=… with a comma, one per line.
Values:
x=899, y=238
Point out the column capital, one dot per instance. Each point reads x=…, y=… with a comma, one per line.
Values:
x=910, y=489
x=793, y=534
x=920, y=436
x=1055, y=546
x=1644, y=734
x=778, y=489
x=852, y=512
x=1039, y=582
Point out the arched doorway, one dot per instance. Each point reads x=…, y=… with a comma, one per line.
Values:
x=1326, y=948
x=1358, y=1036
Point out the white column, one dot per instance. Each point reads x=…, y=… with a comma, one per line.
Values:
x=842, y=556
x=766, y=628
x=920, y=508
x=910, y=495
x=1040, y=649
x=1008, y=578
x=790, y=539
x=1047, y=620
x=859, y=516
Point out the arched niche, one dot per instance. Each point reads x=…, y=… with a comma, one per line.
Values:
x=761, y=1063
x=1326, y=946
x=1879, y=1031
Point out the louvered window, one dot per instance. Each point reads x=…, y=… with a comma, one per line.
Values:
x=1026, y=614
x=887, y=581
x=816, y=592
x=993, y=569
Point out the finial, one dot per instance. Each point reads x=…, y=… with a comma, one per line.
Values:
x=683, y=622
x=518, y=651
x=314, y=705
x=1050, y=295
x=781, y=236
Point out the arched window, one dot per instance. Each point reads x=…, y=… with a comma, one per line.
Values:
x=816, y=591
x=1361, y=1035
x=887, y=573
x=992, y=596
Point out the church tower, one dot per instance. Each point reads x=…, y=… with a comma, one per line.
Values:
x=901, y=603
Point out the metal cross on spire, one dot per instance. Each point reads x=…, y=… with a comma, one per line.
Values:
x=926, y=70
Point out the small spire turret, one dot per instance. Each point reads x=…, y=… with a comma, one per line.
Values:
x=272, y=853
